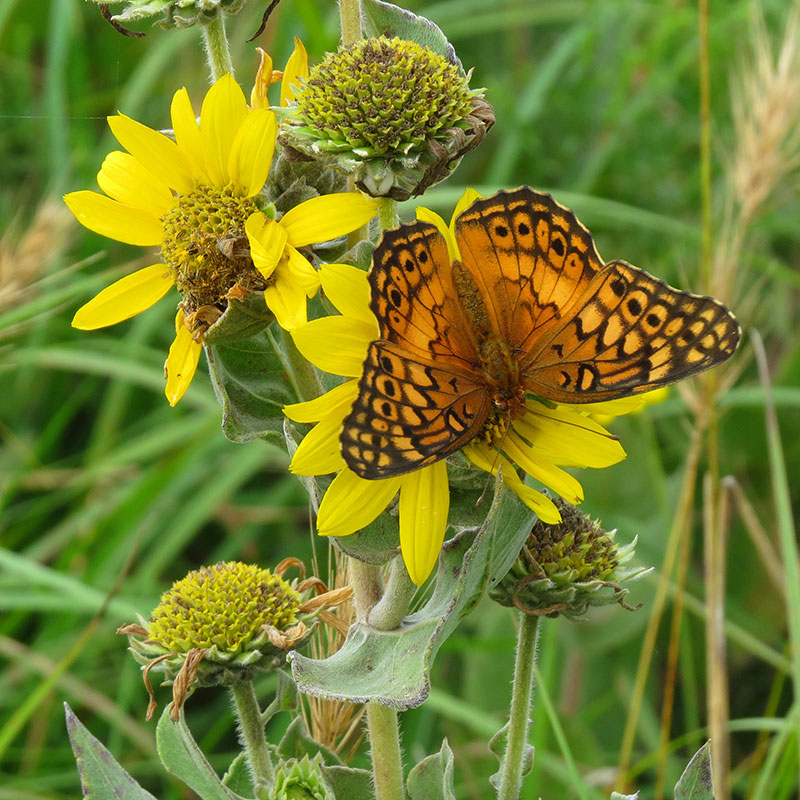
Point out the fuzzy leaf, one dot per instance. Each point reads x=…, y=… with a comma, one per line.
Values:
x=392, y=667
x=252, y=388
x=696, y=782
x=181, y=756
x=349, y=783
x=238, y=778
x=297, y=743
x=432, y=778
x=386, y=19
x=498, y=744
x=242, y=320
x=375, y=544
x=101, y=775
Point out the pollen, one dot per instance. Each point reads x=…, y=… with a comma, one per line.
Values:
x=226, y=605
x=205, y=246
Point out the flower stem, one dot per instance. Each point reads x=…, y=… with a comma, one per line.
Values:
x=524, y=667
x=218, y=54
x=388, y=215
x=251, y=727
x=350, y=14
x=388, y=612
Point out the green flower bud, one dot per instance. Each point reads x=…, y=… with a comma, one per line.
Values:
x=565, y=568
x=173, y=13
x=392, y=113
x=221, y=624
x=301, y=780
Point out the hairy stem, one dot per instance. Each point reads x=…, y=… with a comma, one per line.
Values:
x=251, y=728
x=388, y=612
x=218, y=54
x=350, y=14
x=522, y=691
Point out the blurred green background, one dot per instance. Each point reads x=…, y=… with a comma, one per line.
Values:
x=101, y=481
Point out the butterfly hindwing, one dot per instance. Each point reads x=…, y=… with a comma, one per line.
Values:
x=531, y=259
x=409, y=412
x=629, y=333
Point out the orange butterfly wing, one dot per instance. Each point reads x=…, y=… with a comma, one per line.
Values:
x=419, y=396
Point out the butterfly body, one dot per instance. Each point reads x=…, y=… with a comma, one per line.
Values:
x=527, y=307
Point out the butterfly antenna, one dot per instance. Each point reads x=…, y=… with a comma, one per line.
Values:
x=497, y=450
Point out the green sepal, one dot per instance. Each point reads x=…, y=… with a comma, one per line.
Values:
x=386, y=19
x=498, y=744
x=432, y=778
x=297, y=742
x=696, y=783
x=392, y=667
x=348, y=783
x=241, y=320
x=181, y=756
x=252, y=387
x=375, y=544
x=101, y=775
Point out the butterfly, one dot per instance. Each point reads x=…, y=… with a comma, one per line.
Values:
x=529, y=308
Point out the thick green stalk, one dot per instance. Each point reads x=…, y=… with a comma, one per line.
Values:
x=387, y=762
x=251, y=727
x=218, y=54
x=388, y=215
x=350, y=14
x=522, y=691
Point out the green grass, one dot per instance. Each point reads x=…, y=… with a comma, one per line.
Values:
x=107, y=495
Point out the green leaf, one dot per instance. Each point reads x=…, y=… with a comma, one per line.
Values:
x=498, y=744
x=242, y=320
x=696, y=782
x=181, y=756
x=238, y=777
x=285, y=698
x=386, y=19
x=297, y=742
x=251, y=386
x=375, y=544
x=348, y=782
x=392, y=667
x=101, y=775
x=432, y=778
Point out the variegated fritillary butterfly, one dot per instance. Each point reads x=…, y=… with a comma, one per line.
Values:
x=530, y=307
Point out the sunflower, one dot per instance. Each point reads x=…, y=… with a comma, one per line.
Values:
x=195, y=196
x=541, y=441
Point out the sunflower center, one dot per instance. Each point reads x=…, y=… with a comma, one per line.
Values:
x=225, y=605
x=206, y=248
x=495, y=427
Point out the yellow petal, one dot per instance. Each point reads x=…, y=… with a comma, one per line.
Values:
x=348, y=289
x=187, y=133
x=327, y=216
x=351, y=503
x=125, y=298
x=301, y=273
x=296, y=70
x=320, y=452
x=181, y=362
x=336, y=401
x=251, y=153
x=157, y=152
x=464, y=202
x=624, y=405
x=224, y=110
x=543, y=470
x=567, y=437
x=426, y=215
x=424, y=505
x=286, y=299
x=491, y=461
x=258, y=95
x=267, y=242
x=335, y=344
x=109, y=218
x=125, y=180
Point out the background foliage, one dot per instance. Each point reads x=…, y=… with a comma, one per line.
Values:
x=108, y=495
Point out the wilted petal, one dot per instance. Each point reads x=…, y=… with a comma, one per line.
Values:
x=181, y=361
x=258, y=95
x=296, y=70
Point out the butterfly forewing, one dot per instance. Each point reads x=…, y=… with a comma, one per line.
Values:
x=629, y=332
x=409, y=412
x=531, y=259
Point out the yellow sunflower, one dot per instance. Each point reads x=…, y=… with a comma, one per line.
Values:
x=542, y=441
x=195, y=197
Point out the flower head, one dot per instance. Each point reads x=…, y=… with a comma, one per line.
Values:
x=301, y=779
x=392, y=113
x=221, y=624
x=196, y=198
x=541, y=440
x=565, y=568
